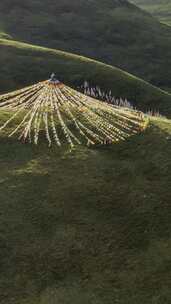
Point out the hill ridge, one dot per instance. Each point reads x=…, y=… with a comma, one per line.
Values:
x=23, y=64
x=123, y=36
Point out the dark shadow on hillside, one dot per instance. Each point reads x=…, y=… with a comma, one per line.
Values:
x=94, y=221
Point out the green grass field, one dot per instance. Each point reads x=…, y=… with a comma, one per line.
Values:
x=4, y=35
x=159, y=8
x=87, y=226
x=23, y=64
x=112, y=31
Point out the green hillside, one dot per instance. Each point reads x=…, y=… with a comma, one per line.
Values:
x=90, y=226
x=159, y=8
x=4, y=35
x=113, y=31
x=22, y=64
x=84, y=224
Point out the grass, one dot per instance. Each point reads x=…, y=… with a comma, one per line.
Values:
x=115, y=32
x=4, y=35
x=159, y=8
x=22, y=64
x=87, y=226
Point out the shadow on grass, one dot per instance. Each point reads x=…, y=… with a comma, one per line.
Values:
x=93, y=222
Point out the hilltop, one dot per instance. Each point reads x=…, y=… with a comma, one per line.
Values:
x=87, y=226
x=113, y=31
x=23, y=64
x=84, y=225
x=159, y=8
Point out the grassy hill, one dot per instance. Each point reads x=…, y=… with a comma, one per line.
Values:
x=4, y=35
x=91, y=226
x=22, y=64
x=113, y=31
x=159, y=8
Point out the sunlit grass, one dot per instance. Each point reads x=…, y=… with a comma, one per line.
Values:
x=73, y=70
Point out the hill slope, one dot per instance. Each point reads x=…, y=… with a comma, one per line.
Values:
x=159, y=8
x=22, y=64
x=80, y=228
x=112, y=31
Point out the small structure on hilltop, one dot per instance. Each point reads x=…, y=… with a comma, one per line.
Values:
x=65, y=115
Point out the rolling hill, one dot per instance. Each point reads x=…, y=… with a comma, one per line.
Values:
x=113, y=31
x=159, y=8
x=4, y=36
x=90, y=226
x=22, y=64
x=85, y=225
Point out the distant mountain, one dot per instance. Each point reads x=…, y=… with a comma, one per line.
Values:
x=113, y=31
x=22, y=64
x=159, y=8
